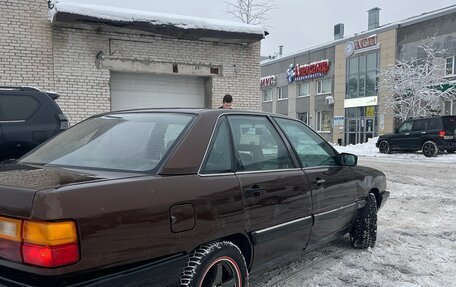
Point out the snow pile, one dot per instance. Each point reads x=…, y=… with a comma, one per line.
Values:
x=369, y=150
x=132, y=15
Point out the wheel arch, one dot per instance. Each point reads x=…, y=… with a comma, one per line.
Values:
x=377, y=195
x=244, y=244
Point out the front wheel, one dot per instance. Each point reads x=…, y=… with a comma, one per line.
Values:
x=384, y=147
x=430, y=149
x=215, y=264
x=364, y=232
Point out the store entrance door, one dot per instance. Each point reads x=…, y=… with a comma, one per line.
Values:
x=359, y=130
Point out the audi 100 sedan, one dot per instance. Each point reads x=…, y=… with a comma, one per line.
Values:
x=178, y=197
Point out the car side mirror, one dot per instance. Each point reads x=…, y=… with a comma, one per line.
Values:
x=396, y=130
x=348, y=159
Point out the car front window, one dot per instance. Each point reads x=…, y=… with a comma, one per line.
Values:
x=405, y=127
x=129, y=142
x=312, y=150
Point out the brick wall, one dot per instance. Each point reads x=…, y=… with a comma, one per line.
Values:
x=25, y=44
x=64, y=59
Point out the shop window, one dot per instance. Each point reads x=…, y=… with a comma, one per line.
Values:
x=303, y=117
x=323, y=121
x=324, y=86
x=267, y=95
x=450, y=69
x=304, y=89
x=282, y=93
x=362, y=75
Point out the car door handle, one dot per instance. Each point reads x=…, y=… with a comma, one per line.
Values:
x=423, y=133
x=319, y=181
x=255, y=190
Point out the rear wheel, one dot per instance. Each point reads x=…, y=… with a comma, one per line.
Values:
x=364, y=232
x=215, y=264
x=384, y=147
x=430, y=149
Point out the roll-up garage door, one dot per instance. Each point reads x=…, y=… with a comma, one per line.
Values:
x=137, y=90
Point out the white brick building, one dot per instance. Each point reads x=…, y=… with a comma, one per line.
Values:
x=99, y=63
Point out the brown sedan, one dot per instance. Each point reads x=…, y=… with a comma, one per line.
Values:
x=189, y=197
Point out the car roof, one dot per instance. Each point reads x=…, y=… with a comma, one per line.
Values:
x=191, y=111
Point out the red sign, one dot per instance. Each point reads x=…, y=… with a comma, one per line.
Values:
x=366, y=42
x=308, y=71
x=267, y=81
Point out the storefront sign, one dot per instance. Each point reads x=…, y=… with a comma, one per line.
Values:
x=361, y=45
x=370, y=111
x=307, y=71
x=361, y=102
x=339, y=121
x=267, y=81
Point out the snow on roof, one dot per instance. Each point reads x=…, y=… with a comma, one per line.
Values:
x=401, y=23
x=154, y=18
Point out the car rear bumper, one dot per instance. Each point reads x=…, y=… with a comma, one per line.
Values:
x=160, y=273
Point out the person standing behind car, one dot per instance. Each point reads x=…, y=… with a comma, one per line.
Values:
x=227, y=102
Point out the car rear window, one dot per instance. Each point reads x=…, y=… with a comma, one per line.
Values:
x=127, y=142
x=449, y=123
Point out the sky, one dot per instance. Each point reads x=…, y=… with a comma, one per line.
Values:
x=295, y=24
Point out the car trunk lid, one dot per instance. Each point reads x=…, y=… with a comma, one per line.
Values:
x=19, y=183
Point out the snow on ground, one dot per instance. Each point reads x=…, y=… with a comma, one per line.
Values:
x=416, y=243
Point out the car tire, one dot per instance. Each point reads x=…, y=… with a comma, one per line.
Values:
x=364, y=232
x=430, y=149
x=384, y=147
x=218, y=263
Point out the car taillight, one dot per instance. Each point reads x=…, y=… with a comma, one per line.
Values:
x=10, y=239
x=442, y=134
x=45, y=244
x=64, y=123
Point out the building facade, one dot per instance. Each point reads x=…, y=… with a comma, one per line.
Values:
x=346, y=105
x=99, y=63
x=302, y=86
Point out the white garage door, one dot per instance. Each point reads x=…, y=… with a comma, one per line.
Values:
x=137, y=90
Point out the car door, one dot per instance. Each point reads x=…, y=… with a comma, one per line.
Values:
x=333, y=185
x=401, y=139
x=277, y=202
x=418, y=134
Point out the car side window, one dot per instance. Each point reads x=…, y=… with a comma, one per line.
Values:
x=405, y=127
x=258, y=145
x=219, y=158
x=434, y=124
x=16, y=108
x=420, y=125
x=312, y=150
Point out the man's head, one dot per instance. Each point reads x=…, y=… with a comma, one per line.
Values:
x=227, y=101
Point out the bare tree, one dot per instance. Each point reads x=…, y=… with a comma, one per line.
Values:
x=250, y=11
x=415, y=87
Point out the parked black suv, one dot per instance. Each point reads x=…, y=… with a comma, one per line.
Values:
x=430, y=134
x=28, y=117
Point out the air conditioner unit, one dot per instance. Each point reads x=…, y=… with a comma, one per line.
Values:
x=329, y=100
